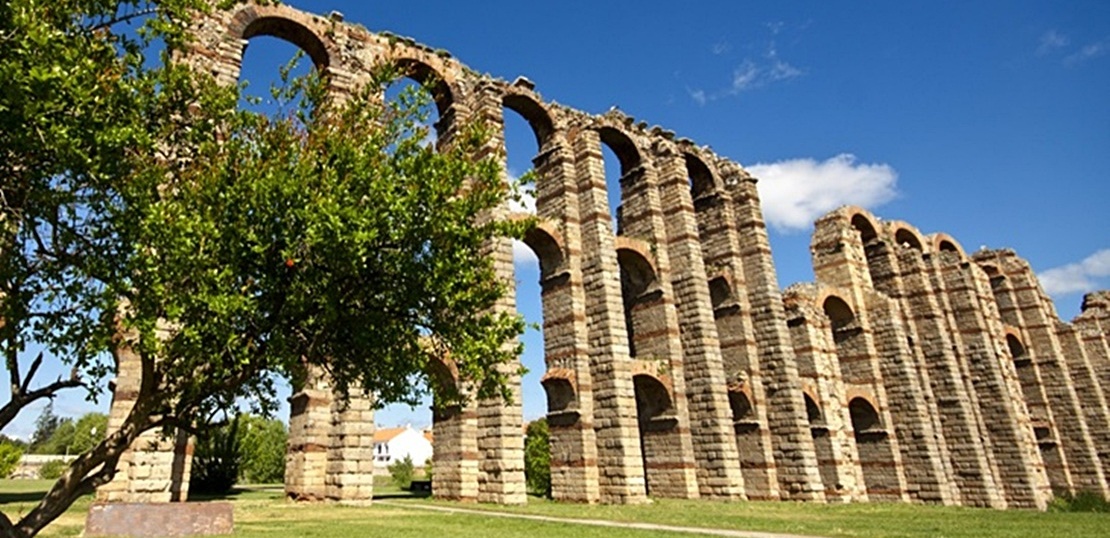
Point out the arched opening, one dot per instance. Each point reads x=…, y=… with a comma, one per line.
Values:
x=866, y=230
x=864, y=416
x=741, y=406
x=622, y=174
x=658, y=435
x=638, y=291
x=702, y=181
x=291, y=32
x=1017, y=350
x=813, y=412
x=908, y=239
x=947, y=246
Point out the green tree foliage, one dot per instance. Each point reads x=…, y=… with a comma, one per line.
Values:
x=216, y=459
x=402, y=472
x=52, y=469
x=262, y=443
x=59, y=441
x=537, y=457
x=10, y=454
x=45, y=425
x=74, y=437
x=224, y=246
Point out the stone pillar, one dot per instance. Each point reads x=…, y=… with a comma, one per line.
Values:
x=1088, y=389
x=455, y=461
x=349, y=474
x=310, y=420
x=1037, y=320
x=570, y=417
x=732, y=311
x=620, y=461
x=993, y=382
x=718, y=460
x=959, y=420
x=827, y=412
x=795, y=458
x=500, y=420
x=155, y=469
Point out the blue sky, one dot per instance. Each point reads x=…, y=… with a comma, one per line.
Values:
x=985, y=120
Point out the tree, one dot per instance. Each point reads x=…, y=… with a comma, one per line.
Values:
x=262, y=443
x=45, y=426
x=537, y=457
x=144, y=217
x=10, y=454
x=402, y=471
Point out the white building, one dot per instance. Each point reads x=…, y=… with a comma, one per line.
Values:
x=393, y=444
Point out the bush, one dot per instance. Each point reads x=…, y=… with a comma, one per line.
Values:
x=216, y=460
x=10, y=455
x=537, y=458
x=53, y=469
x=402, y=472
x=1084, y=501
x=262, y=444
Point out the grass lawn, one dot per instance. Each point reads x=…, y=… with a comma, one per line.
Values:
x=263, y=511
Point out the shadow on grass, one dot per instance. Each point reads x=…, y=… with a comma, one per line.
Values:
x=22, y=497
x=265, y=492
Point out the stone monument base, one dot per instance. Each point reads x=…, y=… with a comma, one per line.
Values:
x=148, y=520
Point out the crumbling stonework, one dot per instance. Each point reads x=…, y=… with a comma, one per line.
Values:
x=677, y=366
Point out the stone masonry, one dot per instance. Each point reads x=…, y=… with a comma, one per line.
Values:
x=676, y=365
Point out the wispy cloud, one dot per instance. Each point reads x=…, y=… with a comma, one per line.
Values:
x=1079, y=277
x=1051, y=41
x=796, y=192
x=751, y=73
x=523, y=255
x=1087, y=52
x=1055, y=44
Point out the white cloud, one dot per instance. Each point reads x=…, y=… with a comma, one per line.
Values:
x=751, y=74
x=1089, y=51
x=1051, y=41
x=796, y=192
x=1077, y=277
x=721, y=47
x=523, y=255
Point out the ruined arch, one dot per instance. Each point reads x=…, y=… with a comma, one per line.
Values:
x=282, y=23
x=864, y=223
x=546, y=242
x=434, y=80
x=1017, y=349
x=741, y=403
x=623, y=146
x=534, y=112
x=702, y=179
x=943, y=242
x=906, y=236
x=814, y=414
x=865, y=415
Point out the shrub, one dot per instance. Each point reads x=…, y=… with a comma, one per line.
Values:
x=537, y=458
x=52, y=470
x=10, y=455
x=262, y=444
x=402, y=472
x=1084, y=501
x=216, y=460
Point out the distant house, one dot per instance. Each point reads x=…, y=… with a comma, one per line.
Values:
x=393, y=444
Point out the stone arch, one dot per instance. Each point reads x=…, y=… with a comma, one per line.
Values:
x=279, y=22
x=943, y=242
x=865, y=415
x=741, y=403
x=702, y=179
x=814, y=414
x=1017, y=348
x=534, y=112
x=847, y=336
x=623, y=146
x=561, y=387
x=864, y=223
x=434, y=80
x=907, y=236
x=546, y=242
x=639, y=284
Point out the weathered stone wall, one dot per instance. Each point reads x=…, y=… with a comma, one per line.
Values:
x=676, y=365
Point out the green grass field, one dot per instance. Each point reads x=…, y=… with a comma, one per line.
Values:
x=263, y=511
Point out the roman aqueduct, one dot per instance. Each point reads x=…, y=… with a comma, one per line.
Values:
x=676, y=366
